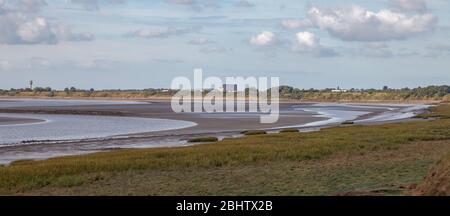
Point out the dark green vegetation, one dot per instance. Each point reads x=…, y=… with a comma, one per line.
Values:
x=254, y=132
x=73, y=92
x=430, y=93
x=348, y=123
x=439, y=93
x=203, y=139
x=440, y=112
x=289, y=130
x=379, y=159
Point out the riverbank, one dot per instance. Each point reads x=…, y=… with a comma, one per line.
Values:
x=372, y=159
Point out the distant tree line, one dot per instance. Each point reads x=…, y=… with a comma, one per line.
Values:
x=430, y=92
x=286, y=92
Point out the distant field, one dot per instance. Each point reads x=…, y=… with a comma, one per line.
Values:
x=349, y=160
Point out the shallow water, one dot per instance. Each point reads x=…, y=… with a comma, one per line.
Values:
x=64, y=127
x=398, y=114
x=339, y=113
x=334, y=117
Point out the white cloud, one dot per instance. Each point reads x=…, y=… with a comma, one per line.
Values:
x=409, y=5
x=97, y=64
x=296, y=24
x=214, y=49
x=266, y=38
x=87, y=4
x=197, y=5
x=375, y=50
x=201, y=41
x=438, y=49
x=160, y=32
x=358, y=24
x=93, y=5
x=17, y=28
x=39, y=62
x=5, y=65
x=307, y=42
x=245, y=4
x=64, y=32
x=183, y=2
x=168, y=61
x=35, y=31
x=22, y=25
x=30, y=5
x=116, y=1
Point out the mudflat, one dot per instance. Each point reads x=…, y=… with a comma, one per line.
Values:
x=163, y=110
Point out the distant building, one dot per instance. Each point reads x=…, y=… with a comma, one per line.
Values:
x=339, y=90
x=229, y=88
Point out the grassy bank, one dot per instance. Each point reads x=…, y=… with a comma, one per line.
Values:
x=385, y=159
x=437, y=182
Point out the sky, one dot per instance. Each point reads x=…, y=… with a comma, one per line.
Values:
x=135, y=44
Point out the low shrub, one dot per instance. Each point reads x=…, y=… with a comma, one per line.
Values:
x=252, y=133
x=203, y=139
x=289, y=130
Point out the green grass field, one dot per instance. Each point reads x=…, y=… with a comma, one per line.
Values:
x=379, y=159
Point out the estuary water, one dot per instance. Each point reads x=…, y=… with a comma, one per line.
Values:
x=76, y=127
x=336, y=114
x=67, y=127
x=53, y=135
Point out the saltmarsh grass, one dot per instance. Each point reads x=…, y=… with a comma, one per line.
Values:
x=442, y=112
x=249, y=150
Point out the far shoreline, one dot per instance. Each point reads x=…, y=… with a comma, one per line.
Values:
x=168, y=99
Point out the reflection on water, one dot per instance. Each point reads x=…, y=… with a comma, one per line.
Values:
x=334, y=116
x=63, y=127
